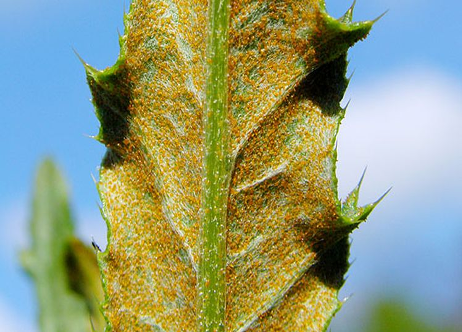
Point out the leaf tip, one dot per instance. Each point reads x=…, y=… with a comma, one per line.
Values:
x=348, y=16
x=361, y=179
x=351, y=75
x=380, y=16
x=350, y=212
x=88, y=69
x=347, y=104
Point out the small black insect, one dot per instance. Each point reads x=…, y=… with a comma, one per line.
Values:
x=95, y=245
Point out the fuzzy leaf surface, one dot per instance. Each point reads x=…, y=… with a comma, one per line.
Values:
x=286, y=239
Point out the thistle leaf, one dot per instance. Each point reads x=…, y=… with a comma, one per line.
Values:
x=84, y=279
x=353, y=213
x=218, y=185
x=65, y=273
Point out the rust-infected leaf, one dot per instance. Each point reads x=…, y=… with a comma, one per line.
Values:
x=286, y=241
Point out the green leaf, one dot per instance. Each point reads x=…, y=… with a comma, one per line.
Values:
x=395, y=315
x=84, y=279
x=57, y=262
x=354, y=214
x=218, y=185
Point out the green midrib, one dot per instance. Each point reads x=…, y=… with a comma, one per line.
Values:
x=212, y=264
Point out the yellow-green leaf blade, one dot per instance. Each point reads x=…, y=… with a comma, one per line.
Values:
x=61, y=308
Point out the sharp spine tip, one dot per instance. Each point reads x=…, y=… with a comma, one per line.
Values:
x=353, y=5
x=351, y=75
x=89, y=69
x=348, y=16
x=351, y=9
x=362, y=178
x=347, y=104
x=383, y=196
x=380, y=16
x=94, y=179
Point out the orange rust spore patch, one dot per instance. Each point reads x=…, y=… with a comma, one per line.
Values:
x=282, y=201
x=149, y=193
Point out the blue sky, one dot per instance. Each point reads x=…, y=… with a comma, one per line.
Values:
x=403, y=122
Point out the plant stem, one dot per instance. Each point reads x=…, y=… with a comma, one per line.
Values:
x=212, y=264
